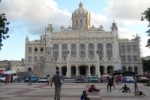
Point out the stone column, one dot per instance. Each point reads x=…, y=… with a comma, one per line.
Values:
x=95, y=52
x=78, y=51
x=77, y=71
x=68, y=65
x=60, y=52
x=89, y=72
x=86, y=51
x=98, y=71
x=68, y=71
x=69, y=52
x=60, y=70
x=105, y=69
x=104, y=52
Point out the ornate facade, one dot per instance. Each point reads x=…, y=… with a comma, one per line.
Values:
x=83, y=50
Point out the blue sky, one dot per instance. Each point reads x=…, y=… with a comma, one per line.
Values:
x=30, y=17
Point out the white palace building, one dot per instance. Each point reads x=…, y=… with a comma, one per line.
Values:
x=82, y=49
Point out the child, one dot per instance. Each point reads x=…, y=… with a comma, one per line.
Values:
x=84, y=96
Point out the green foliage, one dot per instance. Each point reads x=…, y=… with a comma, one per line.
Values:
x=146, y=65
x=146, y=15
x=3, y=28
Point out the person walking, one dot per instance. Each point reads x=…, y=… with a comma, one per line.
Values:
x=135, y=87
x=109, y=85
x=48, y=79
x=56, y=79
x=29, y=78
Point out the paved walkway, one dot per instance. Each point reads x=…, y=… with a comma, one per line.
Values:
x=70, y=91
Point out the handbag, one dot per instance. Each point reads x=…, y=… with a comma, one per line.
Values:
x=62, y=81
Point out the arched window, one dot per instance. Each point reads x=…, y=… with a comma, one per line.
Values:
x=124, y=68
x=41, y=49
x=109, y=51
x=64, y=50
x=35, y=49
x=55, y=51
x=73, y=50
x=100, y=51
x=136, y=70
x=82, y=51
x=129, y=68
x=91, y=50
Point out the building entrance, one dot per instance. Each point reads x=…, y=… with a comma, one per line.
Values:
x=82, y=70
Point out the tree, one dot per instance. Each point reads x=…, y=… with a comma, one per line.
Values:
x=3, y=28
x=146, y=65
x=146, y=15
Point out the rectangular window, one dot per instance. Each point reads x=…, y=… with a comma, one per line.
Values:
x=55, y=51
x=30, y=59
x=73, y=50
x=35, y=59
x=64, y=50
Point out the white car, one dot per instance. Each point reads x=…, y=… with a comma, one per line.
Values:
x=128, y=79
x=43, y=80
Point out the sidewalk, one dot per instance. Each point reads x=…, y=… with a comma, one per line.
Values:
x=69, y=91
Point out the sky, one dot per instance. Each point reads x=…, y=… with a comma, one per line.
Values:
x=30, y=17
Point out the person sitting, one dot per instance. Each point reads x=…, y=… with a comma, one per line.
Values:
x=93, y=88
x=84, y=96
x=139, y=93
x=125, y=88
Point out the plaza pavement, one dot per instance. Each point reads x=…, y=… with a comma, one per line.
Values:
x=69, y=91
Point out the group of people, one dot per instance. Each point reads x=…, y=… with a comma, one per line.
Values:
x=91, y=88
x=57, y=80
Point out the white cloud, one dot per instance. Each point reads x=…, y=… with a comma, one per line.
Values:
x=36, y=14
x=98, y=19
x=127, y=9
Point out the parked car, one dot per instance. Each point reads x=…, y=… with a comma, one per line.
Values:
x=43, y=80
x=128, y=79
x=142, y=79
x=2, y=77
x=80, y=79
x=33, y=79
x=93, y=79
x=104, y=78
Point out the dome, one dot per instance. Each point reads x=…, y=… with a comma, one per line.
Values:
x=80, y=10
